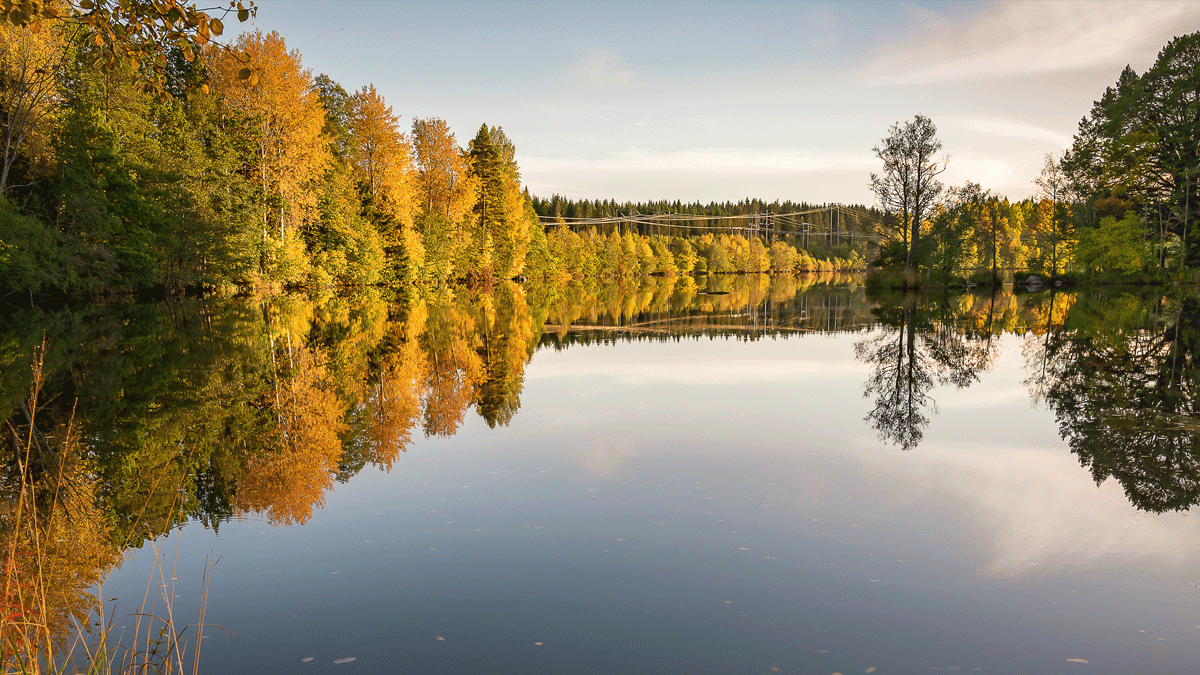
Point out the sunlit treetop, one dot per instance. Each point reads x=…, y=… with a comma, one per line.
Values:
x=137, y=31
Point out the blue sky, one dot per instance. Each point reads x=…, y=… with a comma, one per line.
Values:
x=720, y=101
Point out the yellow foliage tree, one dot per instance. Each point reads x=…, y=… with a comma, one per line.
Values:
x=295, y=464
x=445, y=194
x=382, y=157
x=30, y=60
x=443, y=184
x=286, y=115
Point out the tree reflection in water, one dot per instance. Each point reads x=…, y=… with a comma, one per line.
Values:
x=916, y=347
x=214, y=408
x=209, y=409
x=1122, y=377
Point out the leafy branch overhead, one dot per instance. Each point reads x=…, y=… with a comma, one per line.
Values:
x=137, y=31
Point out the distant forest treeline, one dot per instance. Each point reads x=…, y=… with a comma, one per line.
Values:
x=995, y=233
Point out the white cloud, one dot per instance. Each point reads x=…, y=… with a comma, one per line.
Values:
x=1007, y=129
x=1035, y=511
x=601, y=69
x=724, y=161
x=699, y=372
x=1024, y=38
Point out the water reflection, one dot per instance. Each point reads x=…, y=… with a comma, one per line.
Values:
x=916, y=348
x=1121, y=375
x=212, y=409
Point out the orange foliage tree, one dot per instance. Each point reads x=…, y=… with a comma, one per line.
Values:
x=445, y=192
x=382, y=158
x=283, y=110
x=294, y=464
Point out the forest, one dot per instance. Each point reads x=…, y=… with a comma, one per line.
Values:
x=234, y=167
x=134, y=159
x=1116, y=206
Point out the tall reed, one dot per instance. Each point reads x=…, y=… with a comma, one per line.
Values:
x=57, y=548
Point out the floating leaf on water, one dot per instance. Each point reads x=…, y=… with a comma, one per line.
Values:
x=306, y=659
x=441, y=638
x=1077, y=660
x=822, y=651
x=776, y=669
x=538, y=644
x=347, y=659
x=870, y=670
x=874, y=581
x=729, y=602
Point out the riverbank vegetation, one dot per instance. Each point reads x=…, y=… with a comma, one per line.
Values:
x=1119, y=206
x=235, y=167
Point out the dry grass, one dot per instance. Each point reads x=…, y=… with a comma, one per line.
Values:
x=56, y=549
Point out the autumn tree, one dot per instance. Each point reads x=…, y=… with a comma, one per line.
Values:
x=382, y=157
x=953, y=230
x=445, y=192
x=31, y=62
x=290, y=153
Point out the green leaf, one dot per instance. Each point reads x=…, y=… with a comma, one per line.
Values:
x=217, y=26
x=243, y=14
x=244, y=74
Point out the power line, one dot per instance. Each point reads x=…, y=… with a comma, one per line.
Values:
x=748, y=222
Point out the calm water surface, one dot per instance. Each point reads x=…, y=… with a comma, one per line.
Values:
x=790, y=479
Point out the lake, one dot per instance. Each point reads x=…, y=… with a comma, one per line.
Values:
x=715, y=475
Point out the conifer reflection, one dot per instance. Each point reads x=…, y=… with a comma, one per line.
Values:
x=1123, y=377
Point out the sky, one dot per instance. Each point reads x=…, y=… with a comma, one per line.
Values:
x=722, y=101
